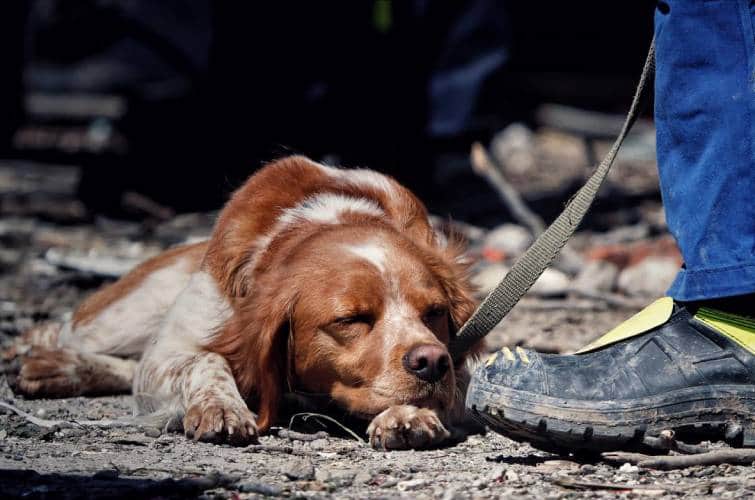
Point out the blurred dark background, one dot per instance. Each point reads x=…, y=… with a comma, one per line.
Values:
x=181, y=100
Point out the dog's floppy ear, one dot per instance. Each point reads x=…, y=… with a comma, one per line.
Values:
x=452, y=270
x=244, y=226
x=255, y=344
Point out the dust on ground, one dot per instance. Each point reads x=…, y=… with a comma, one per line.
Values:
x=52, y=255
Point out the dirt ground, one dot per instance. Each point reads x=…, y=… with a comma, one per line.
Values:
x=52, y=255
x=75, y=462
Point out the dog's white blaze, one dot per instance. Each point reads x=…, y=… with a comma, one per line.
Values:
x=371, y=252
x=326, y=208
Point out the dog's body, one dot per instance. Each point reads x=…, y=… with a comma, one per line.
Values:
x=315, y=279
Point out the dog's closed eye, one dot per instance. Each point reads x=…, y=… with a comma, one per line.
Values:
x=434, y=313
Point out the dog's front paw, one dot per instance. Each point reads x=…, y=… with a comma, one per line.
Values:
x=404, y=427
x=217, y=420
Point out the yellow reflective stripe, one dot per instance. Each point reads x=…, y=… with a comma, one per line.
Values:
x=738, y=328
x=491, y=359
x=523, y=355
x=508, y=354
x=651, y=317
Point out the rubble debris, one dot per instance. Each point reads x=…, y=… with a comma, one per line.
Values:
x=649, y=278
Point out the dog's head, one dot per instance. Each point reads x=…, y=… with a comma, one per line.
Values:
x=344, y=302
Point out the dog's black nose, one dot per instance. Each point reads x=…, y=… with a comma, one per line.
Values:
x=428, y=362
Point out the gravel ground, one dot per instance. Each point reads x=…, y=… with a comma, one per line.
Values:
x=86, y=462
x=52, y=255
x=75, y=462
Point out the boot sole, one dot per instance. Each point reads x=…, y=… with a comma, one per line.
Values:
x=720, y=412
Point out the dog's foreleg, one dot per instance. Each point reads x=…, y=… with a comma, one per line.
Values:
x=178, y=373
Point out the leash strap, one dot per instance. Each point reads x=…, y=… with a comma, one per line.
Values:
x=544, y=250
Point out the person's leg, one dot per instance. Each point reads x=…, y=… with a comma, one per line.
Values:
x=704, y=112
x=685, y=363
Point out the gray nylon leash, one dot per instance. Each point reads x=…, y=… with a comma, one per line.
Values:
x=544, y=250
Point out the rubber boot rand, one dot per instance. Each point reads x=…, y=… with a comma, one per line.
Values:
x=667, y=367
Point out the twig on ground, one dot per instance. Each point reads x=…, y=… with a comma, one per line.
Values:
x=301, y=436
x=271, y=448
x=42, y=422
x=146, y=205
x=306, y=416
x=668, y=462
x=486, y=166
x=561, y=304
x=589, y=485
x=611, y=299
x=666, y=441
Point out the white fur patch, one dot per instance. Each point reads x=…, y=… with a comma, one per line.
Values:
x=371, y=252
x=199, y=311
x=370, y=178
x=360, y=177
x=326, y=208
x=123, y=328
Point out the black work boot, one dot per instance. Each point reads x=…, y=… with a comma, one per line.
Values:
x=671, y=366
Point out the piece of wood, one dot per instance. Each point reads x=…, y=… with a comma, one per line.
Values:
x=484, y=165
x=487, y=167
x=48, y=424
x=670, y=462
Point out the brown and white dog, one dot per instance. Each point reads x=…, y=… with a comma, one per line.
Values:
x=315, y=279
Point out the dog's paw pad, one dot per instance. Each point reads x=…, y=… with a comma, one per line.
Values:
x=217, y=421
x=404, y=427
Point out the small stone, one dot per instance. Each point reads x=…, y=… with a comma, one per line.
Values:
x=41, y=413
x=705, y=471
x=260, y=488
x=588, y=469
x=551, y=283
x=385, y=481
x=322, y=475
x=337, y=478
x=318, y=444
x=497, y=474
x=514, y=146
x=511, y=476
x=480, y=484
x=650, y=278
x=452, y=494
x=488, y=277
x=412, y=484
x=597, y=276
x=363, y=477
x=3, y=433
x=510, y=239
x=300, y=470
x=152, y=432
x=628, y=468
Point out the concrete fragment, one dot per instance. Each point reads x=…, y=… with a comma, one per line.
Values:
x=510, y=239
x=551, y=283
x=300, y=470
x=649, y=278
x=597, y=276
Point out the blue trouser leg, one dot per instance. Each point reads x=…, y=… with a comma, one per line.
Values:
x=704, y=114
